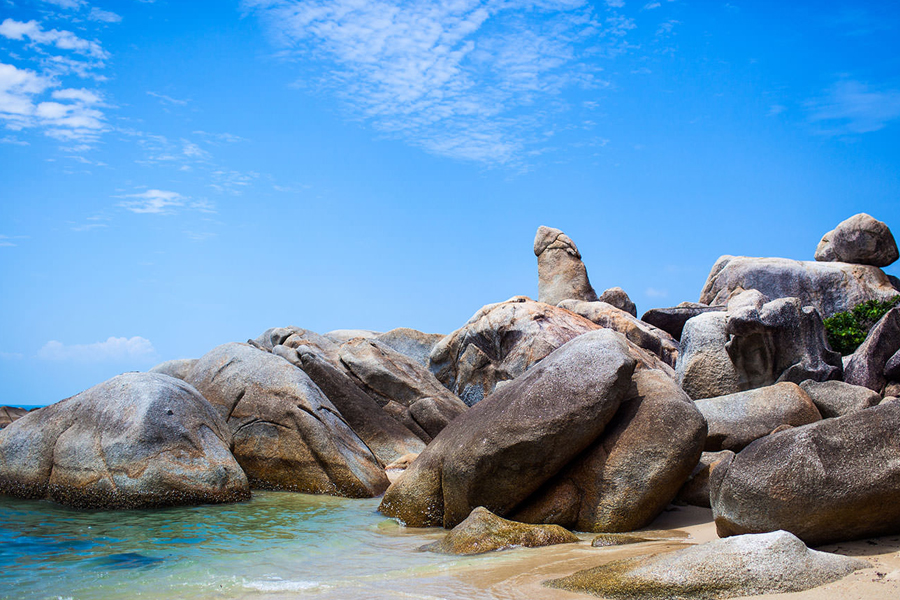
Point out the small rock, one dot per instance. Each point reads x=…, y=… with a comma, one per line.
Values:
x=605, y=540
x=672, y=320
x=618, y=298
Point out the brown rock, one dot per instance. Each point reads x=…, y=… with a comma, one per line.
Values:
x=561, y=274
x=177, y=368
x=860, y=239
x=837, y=398
x=8, y=414
x=695, y=490
x=411, y=343
x=617, y=297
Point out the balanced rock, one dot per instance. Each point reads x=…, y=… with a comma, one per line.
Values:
x=618, y=298
x=695, y=490
x=830, y=481
x=830, y=287
x=388, y=439
x=388, y=376
x=287, y=434
x=499, y=343
x=860, y=239
x=837, y=398
x=139, y=440
x=867, y=364
x=704, y=368
x=505, y=447
x=737, y=419
x=747, y=565
x=637, y=332
x=483, y=531
x=634, y=469
x=8, y=414
x=411, y=343
x=178, y=368
x=672, y=320
x=561, y=274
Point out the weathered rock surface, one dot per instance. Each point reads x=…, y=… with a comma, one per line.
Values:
x=695, y=490
x=605, y=540
x=860, y=239
x=139, y=440
x=618, y=298
x=704, y=368
x=778, y=340
x=483, y=531
x=561, y=274
x=388, y=439
x=892, y=367
x=504, y=448
x=737, y=419
x=500, y=342
x=341, y=336
x=388, y=376
x=637, y=332
x=287, y=434
x=177, y=368
x=411, y=343
x=867, y=365
x=828, y=286
x=634, y=469
x=834, y=480
x=837, y=398
x=294, y=337
x=747, y=565
x=8, y=414
x=672, y=320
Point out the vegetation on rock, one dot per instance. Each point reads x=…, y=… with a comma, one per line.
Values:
x=847, y=330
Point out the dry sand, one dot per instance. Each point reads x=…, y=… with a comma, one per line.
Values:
x=521, y=578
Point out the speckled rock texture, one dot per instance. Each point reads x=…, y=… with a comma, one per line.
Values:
x=861, y=239
x=830, y=287
x=831, y=481
x=483, y=531
x=561, y=274
x=746, y=565
x=287, y=434
x=867, y=365
x=411, y=343
x=704, y=369
x=8, y=414
x=837, y=398
x=737, y=419
x=695, y=490
x=620, y=299
x=139, y=440
x=177, y=368
x=672, y=319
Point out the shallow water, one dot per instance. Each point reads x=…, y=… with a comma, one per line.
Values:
x=277, y=545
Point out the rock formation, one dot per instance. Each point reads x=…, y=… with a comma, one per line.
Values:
x=8, y=414
x=672, y=320
x=411, y=343
x=836, y=398
x=178, y=368
x=139, y=440
x=561, y=274
x=695, y=490
x=617, y=297
x=861, y=240
x=867, y=364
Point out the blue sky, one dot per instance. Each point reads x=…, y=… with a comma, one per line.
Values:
x=176, y=175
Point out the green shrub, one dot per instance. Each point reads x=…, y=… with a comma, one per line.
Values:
x=847, y=330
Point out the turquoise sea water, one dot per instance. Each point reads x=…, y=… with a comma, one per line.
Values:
x=277, y=545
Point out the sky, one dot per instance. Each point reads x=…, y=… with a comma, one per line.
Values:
x=177, y=175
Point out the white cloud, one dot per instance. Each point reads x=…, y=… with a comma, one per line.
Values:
x=84, y=96
x=155, y=202
x=104, y=16
x=656, y=293
x=167, y=99
x=457, y=78
x=70, y=4
x=850, y=107
x=114, y=349
x=64, y=40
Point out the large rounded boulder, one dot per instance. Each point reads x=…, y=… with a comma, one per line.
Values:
x=287, y=434
x=861, y=239
x=834, y=480
x=139, y=440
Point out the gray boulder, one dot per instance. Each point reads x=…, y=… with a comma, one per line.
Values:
x=294, y=337
x=139, y=440
x=867, y=365
x=287, y=434
x=561, y=274
x=704, y=368
x=830, y=287
x=483, y=531
x=695, y=490
x=672, y=320
x=634, y=469
x=860, y=239
x=830, y=481
x=341, y=336
x=411, y=343
x=747, y=565
x=177, y=368
x=389, y=376
x=637, y=332
x=737, y=419
x=504, y=448
x=837, y=398
x=499, y=343
x=618, y=298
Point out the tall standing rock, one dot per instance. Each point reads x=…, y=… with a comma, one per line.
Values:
x=861, y=240
x=866, y=366
x=287, y=434
x=561, y=274
x=139, y=440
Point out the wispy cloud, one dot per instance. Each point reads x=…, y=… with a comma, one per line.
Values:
x=154, y=202
x=64, y=40
x=104, y=16
x=167, y=99
x=851, y=107
x=459, y=79
x=114, y=349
